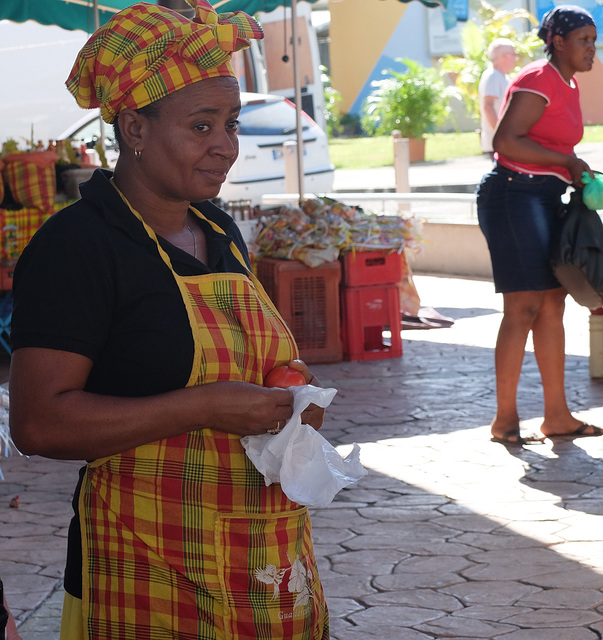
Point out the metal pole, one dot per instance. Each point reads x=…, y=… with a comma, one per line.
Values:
x=95, y=16
x=181, y=6
x=298, y=103
x=96, y=23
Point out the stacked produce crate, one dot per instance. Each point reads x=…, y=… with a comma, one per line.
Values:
x=370, y=300
x=308, y=300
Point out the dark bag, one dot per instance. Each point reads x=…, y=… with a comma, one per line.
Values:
x=577, y=257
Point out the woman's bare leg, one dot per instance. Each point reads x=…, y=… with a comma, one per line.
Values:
x=520, y=311
x=549, y=347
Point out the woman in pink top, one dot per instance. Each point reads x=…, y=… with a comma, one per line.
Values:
x=517, y=203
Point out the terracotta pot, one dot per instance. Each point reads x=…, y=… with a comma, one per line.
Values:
x=416, y=149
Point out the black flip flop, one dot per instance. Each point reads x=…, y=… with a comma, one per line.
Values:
x=513, y=437
x=580, y=432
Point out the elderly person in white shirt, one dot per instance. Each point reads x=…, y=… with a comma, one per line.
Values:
x=492, y=86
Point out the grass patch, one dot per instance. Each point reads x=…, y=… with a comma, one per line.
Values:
x=378, y=151
x=362, y=153
x=593, y=133
x=370, y=153
x=441, y=146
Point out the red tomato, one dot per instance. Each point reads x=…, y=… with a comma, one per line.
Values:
x=284, y=377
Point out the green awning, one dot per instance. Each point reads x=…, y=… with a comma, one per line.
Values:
x=79, y=14
x=68, y=14
x=253, y=6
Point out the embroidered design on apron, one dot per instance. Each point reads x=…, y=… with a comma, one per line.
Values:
x=181, y=537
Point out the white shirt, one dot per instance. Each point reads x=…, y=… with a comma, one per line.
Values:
x=492, y=83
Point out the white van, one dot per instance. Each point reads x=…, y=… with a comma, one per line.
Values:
x=267, y=121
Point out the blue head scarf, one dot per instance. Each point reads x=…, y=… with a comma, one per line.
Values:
x=560, y=21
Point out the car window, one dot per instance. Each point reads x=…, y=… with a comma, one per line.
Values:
x=268, y=119
x=90, y=133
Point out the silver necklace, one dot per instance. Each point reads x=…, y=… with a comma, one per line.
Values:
x=194, y=239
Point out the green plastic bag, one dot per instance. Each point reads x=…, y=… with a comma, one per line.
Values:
x=592, y=194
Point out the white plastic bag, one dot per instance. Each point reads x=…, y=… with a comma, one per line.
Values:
x=7, y=446
x=309, y=468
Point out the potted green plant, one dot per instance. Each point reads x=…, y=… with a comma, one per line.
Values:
x=413, y=101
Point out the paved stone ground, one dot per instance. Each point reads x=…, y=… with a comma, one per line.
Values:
x=449, y=536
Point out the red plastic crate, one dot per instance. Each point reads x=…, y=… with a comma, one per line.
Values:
x=368, y=312
x=373, y=268
x=308, y=300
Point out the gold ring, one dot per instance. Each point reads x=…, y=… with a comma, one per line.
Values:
x=273, y=432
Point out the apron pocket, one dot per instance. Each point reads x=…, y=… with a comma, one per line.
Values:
x=268, y=575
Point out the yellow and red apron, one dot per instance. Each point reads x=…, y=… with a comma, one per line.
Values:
x=181, y=537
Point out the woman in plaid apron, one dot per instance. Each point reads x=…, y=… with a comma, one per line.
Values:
x=141, y=341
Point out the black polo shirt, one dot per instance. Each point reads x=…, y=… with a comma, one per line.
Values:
x=91, y=281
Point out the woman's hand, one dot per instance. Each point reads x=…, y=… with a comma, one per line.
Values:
x=302, y=367
x=313, y=415
x=576, y=167
x=242, y=408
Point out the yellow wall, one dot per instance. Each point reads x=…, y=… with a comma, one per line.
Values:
x=359, y=31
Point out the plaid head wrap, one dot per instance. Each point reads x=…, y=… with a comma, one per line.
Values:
x=146, y=52
x=560, y=21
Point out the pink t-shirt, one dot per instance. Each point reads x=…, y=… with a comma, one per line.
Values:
x=560, y=127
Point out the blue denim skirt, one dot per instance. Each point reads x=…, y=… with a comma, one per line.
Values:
x=518, y=215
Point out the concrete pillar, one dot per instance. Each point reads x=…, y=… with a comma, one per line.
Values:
x=401, y=165
x=291, y=176
x=401, y=162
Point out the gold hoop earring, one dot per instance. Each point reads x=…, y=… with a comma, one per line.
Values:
x=138, y=155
